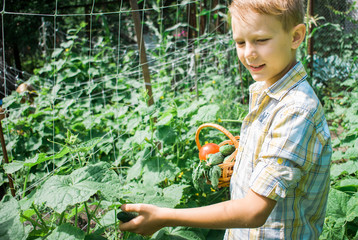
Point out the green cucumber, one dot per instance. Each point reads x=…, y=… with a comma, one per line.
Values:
x=227, y=150
x=215, y=159
x=126, y=216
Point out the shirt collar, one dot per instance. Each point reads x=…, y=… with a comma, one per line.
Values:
x=293, y=77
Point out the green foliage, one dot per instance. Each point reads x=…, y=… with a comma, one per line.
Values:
x=341, y=103
x=90, y=142
x=10, y=224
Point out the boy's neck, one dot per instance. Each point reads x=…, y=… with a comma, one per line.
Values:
x=289, y=66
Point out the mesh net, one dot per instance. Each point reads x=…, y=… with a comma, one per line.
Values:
x=89, y=100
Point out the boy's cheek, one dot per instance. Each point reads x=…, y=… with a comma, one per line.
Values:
x=241, y=57
x=238, y=52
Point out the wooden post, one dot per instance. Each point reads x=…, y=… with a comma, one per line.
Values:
x=192, y=34
x=310, y=40
x=6, y=159
x=202, y=19
x=142, y=52
x=88, y=19
x=217, y=21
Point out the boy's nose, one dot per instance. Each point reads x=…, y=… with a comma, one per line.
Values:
x=250, y=52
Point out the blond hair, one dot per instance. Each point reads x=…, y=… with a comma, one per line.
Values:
x=289, y=12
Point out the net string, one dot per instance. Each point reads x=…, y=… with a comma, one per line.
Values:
x=90, y=80
x=54, y=83
x=103, y=94
x=135, y=71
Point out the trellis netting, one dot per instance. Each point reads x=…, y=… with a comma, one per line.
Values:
x=85, y=138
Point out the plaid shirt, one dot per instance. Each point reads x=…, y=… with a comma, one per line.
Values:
x=284, y=154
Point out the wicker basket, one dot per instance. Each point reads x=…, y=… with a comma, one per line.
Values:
x=227, y=166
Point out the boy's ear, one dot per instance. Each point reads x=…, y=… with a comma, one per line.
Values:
x=298, y=35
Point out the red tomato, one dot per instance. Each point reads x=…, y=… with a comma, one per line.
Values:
x=207, y=149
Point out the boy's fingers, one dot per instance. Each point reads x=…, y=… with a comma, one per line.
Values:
x=131, y=207
x=127, y=226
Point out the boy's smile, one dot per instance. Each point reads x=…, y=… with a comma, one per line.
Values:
x=263, y=46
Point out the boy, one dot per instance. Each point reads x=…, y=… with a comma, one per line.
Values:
x=280, y=182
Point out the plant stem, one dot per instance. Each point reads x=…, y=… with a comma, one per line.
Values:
x=25, y=184
x=61, y=217
x=88, y=217
x=33, y=222
x=178, y=153
x=39, y=216
x=76, y=215
x=94, y=214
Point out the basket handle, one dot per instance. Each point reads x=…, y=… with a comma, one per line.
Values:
x=233, y=139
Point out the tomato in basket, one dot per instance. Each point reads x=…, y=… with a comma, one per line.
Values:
x=209, y=148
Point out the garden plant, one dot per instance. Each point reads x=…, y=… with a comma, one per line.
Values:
x=88, y=141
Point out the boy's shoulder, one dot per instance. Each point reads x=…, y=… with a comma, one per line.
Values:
x=293, y=89
x=301, y=98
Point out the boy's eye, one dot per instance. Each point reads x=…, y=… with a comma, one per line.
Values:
x=263, y=40
x=240, y=43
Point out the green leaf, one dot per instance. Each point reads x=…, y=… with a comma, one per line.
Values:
x=334, y=228
x=352, y=209
x=72, y=72
x=108, y=219
x=337, y=155
x=33, y=143
x=12, y=167
x=176, y=26
x=349, y=167
x=166, y=134
x=136, y=170
x=56, y=52
x=185, y=110
x=59, y=64
x=97, y=235
x=133, y=123
x=58, y=192
x=351, y=153
x=172, y=195
x=206, y=114
x=68, y=232
x=39, y=158
x=121, y=111
x=12, y=101
x=215, y=173
x=139, y=137
x=215, y=234
x=349, y=182
x=87, y=146
x=11, y=227
x=204, y=12
x=178, y=233
x=166, y=120
x=2, y=178
x=337, y=204
x=158, y=169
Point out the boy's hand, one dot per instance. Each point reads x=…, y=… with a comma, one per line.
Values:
x=148, y=221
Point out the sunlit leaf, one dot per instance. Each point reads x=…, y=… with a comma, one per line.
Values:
x=11, y=227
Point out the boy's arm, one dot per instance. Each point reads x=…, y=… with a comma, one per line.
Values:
x=249, y=212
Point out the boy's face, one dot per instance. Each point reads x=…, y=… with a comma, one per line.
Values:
x=264, y=48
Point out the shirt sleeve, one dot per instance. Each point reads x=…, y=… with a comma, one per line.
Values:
x=288, y=151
